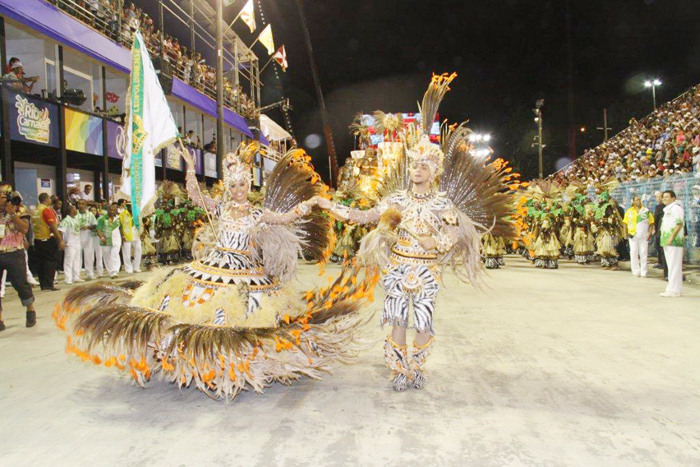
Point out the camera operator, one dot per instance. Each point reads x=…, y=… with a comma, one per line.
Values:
x=12, y=259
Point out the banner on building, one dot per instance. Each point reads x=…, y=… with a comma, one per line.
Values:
x=33, y=120
x=83, y=132
x=173, y=159
x=115, y=140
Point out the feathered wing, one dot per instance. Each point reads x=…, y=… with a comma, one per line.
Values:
x=375, y=247
x=465, y=255
x=293, y=181
x=396, y=178
x=280, y=247
x=484, y=192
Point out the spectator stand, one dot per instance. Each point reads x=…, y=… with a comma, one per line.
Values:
x=664, y=143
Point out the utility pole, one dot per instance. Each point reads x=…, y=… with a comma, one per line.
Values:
x=330, y=146
x=570, y=81
x=220, y=140
x=538, y=119
x=605, y=127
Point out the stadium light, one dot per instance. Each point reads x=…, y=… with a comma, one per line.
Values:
x=653, y=84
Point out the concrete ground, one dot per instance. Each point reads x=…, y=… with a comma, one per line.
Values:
x=578, y=366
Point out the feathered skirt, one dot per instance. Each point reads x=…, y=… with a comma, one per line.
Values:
x=605, y=243
x=547, y=246
x=203, y=331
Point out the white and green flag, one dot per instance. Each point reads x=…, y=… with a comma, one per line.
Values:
x=149, y=128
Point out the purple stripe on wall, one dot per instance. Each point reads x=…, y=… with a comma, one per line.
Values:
x=207, y=105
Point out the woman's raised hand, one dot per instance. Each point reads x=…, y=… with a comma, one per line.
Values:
x=187, y=158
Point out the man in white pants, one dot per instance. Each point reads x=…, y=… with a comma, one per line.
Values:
x=97, y=246
x=639, y=222
x=109, y=231
x=70, y=228
x=88, y=224
x=672, y=238
x=132, y=240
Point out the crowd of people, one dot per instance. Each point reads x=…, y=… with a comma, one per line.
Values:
x=97, y=237
x=118, y=20
x=666, y=143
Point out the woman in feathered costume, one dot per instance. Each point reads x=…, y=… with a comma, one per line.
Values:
x=584, y=241
x=435, y=220
x=610, y=230
x=227, y=321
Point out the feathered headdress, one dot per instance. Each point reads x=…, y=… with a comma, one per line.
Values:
x=416, y=140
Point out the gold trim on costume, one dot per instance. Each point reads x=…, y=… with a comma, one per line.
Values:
x=201, y=267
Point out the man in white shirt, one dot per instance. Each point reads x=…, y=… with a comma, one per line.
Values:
x=109, y=231
x=86, y=194
x=639, y=223
x=70, y=228
x=672, y=239
x=88, y=224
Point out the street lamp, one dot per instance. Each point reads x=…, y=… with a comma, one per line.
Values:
x=652, y=84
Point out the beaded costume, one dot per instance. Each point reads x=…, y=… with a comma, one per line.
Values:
x=468, y=198
x=228, y=320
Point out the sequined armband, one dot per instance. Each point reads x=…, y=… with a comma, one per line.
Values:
x=343, y=212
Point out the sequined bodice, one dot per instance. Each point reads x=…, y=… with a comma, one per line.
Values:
x=234, y=233
x=420, y=217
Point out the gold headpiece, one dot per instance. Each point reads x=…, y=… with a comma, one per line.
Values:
x=427, y=153
x=237, y=165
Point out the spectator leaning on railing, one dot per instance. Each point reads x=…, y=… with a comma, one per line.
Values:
x=187, y=65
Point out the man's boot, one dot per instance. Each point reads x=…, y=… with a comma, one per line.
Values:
x=396, y=360
x=419, y=353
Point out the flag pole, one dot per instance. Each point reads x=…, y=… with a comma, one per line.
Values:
x=230, y=26
x=199, y=191
x=266, y=64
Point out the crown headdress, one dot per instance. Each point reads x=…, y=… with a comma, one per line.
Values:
x=427, y=153
x=237, y=166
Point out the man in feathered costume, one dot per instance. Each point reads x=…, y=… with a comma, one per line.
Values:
x=433, y=218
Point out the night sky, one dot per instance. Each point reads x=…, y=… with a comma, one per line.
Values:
x=379, y=54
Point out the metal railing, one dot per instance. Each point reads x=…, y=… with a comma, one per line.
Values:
x=105, y=17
